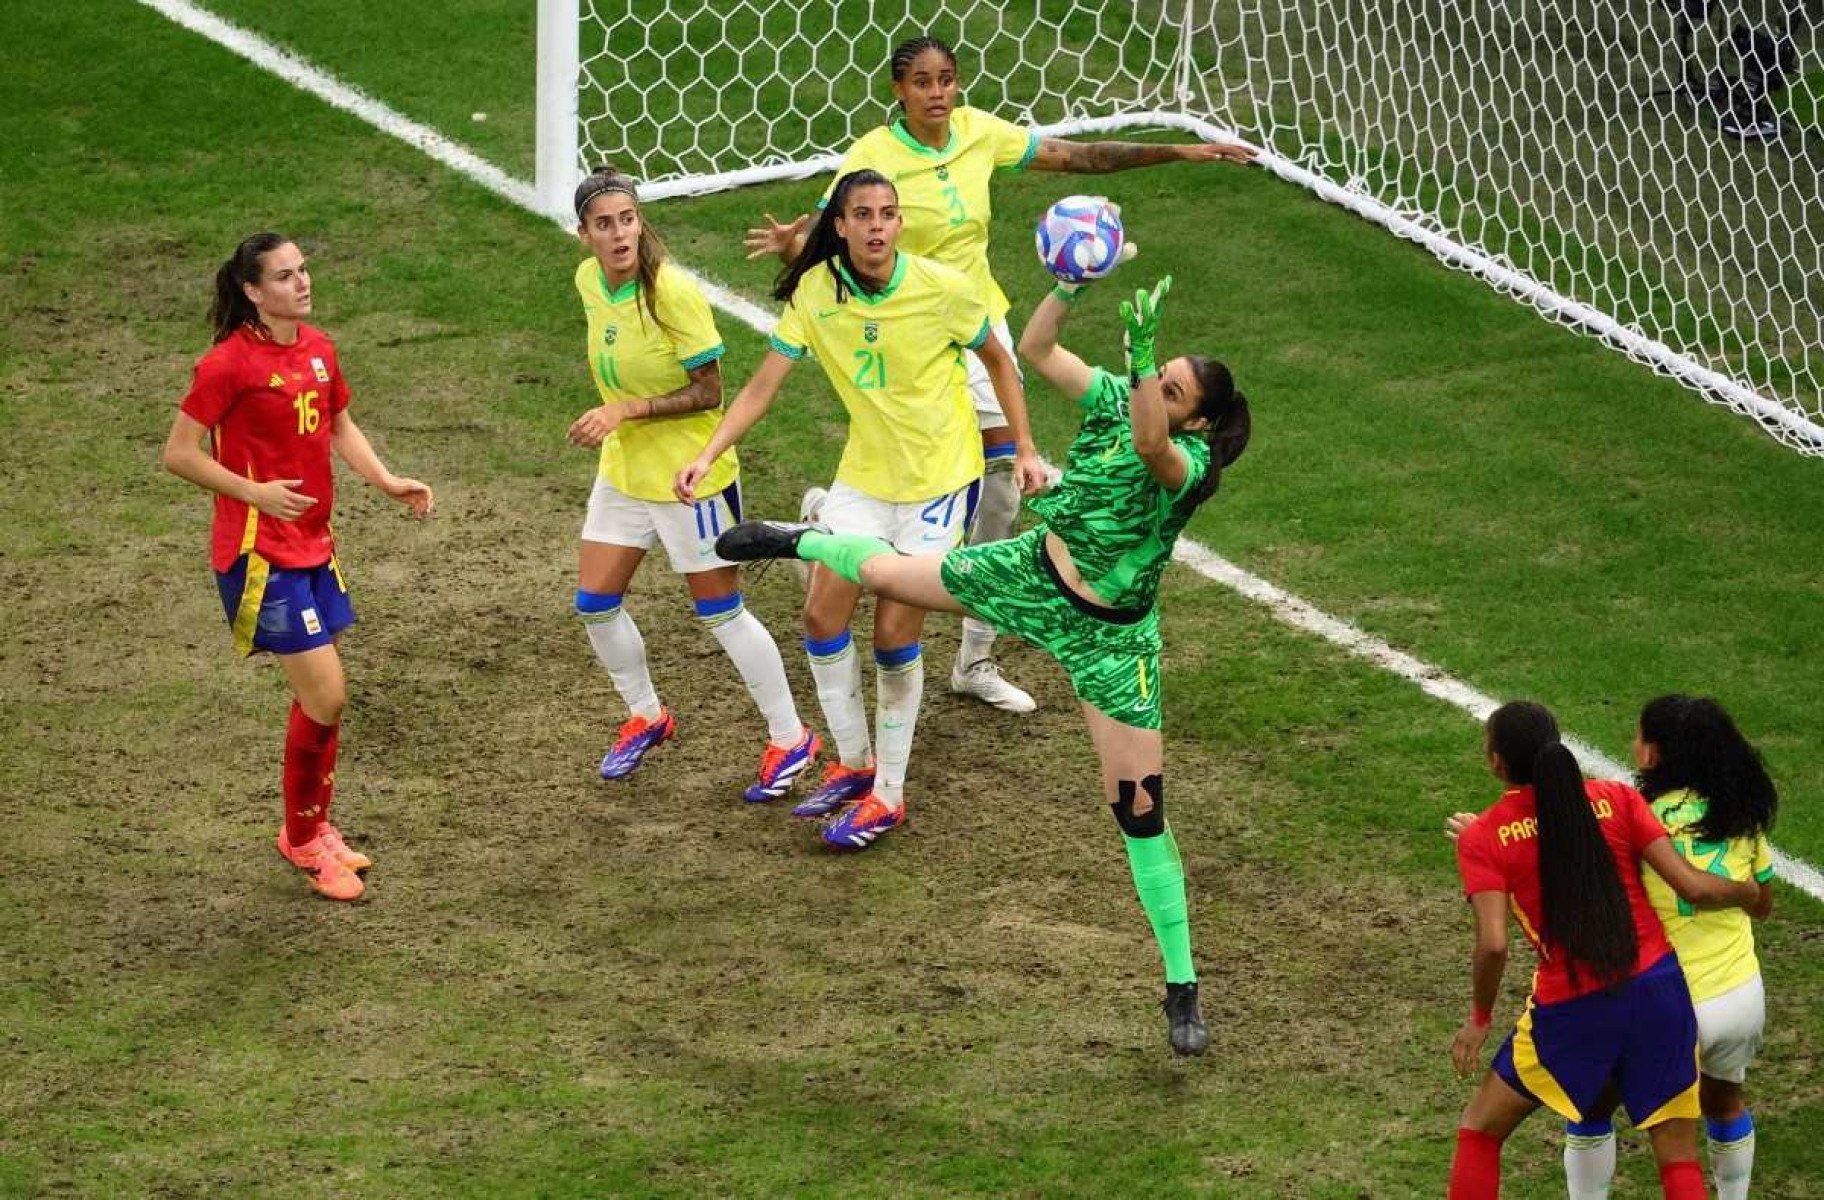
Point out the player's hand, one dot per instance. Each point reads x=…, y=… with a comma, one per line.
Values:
x=1456, y=823
x=684, y=485
x=1466, y=1048
x=276, y=498
x=411, y=493
x=1140, y=316
x=1231, y=152
x=773, y=238
x=589, y=429
x=1029, y=472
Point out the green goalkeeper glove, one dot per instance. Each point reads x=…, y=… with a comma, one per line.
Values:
x=1141, y=316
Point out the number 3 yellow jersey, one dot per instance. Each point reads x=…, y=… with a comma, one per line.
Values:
x=896, y=362
x=632, y=358
x=1715, y=945
x=944, y=194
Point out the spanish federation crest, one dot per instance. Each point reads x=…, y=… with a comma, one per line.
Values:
x=870, y=332
x=322, y=371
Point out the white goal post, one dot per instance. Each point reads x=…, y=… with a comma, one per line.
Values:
x=1645, y=171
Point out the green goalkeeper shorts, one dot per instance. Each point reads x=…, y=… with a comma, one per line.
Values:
x=1111, y=656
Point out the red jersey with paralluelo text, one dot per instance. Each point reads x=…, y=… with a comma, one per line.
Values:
x=271, y=410
x=1499, y=852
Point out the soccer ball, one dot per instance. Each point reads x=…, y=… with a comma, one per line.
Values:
x=1080, y=238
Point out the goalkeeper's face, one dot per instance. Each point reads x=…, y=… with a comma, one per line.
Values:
x=611, y=229
x=1183, y=395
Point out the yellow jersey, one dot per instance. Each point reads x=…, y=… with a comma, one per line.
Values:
x=632, y=358
x=896, y=362
x=943, y=194
x=1715, y=945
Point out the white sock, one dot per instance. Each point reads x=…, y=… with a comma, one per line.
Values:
x=899, y=682
x=756, y=657
x=620, y=649
x=1732, y=1156
x=995, y=516
x=1589, y=1159
x=837, y=672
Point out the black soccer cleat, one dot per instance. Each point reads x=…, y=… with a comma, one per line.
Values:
x=751, y=540
x=1189, y=1035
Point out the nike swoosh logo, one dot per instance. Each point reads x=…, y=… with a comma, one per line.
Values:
x=828, y=312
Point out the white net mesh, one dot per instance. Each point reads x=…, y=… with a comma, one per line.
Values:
x=1646, y=169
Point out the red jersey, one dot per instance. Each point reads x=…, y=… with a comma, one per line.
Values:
x=1499, y=852
x=270, y=411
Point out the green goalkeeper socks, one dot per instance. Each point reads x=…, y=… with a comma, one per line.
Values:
x=1159, y=880
x=842, y=553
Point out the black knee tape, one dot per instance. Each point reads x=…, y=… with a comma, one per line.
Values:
x=1152, y=824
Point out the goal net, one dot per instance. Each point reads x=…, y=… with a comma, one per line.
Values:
x=1647, y=171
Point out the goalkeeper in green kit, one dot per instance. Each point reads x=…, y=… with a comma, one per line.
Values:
x=1083, y=585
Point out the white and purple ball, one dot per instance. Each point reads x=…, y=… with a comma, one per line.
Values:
x=1079, y=238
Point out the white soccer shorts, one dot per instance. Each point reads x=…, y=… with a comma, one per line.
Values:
x=1729, y=1029
x=688, y=531
x=934, y=526
x=988, y=414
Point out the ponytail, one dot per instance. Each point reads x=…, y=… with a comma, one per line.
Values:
x=1585, y=909
x=231, y=308
x=824, y=245
x=1230, y=426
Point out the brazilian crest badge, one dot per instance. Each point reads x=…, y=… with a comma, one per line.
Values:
x=609, y=334
x=870, y=332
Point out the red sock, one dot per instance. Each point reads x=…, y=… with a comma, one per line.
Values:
x=326, y=789
x=310, y=753
x=1682, y=1181
x=1475, y=1172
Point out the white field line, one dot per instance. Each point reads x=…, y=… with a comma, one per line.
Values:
x=1282, y=604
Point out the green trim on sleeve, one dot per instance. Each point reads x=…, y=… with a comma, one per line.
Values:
x=703, y=359
x=786, y=348
x=1764, y=876
x=1032, y=152
x=981, y=337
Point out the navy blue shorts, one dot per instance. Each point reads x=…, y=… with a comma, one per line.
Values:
x=1641, y=1036
x=284, y=610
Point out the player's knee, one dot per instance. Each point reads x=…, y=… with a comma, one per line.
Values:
x=324, y=703
x=1148, y=797
x=823, y=627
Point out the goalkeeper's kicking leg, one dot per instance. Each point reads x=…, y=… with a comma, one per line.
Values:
x=1109, y=677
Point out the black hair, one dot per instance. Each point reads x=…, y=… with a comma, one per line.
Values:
x=908, y=50
x=231, y=308
x=651, y=252
x=824, y=245
x=1585, y=909
x=1700, y=748
x=1230, y=425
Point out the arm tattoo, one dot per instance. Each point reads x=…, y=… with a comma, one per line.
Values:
x=1099, y=158
x=702, y=393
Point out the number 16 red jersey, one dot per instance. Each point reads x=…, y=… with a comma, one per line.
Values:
x=270, y=410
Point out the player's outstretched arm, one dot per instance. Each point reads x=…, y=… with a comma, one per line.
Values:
x=1103, y=158
x=185, y=458
x=355, y=450
x=1151, y=424
x=773, y=238
x=749, y=405
x=1039, y=345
